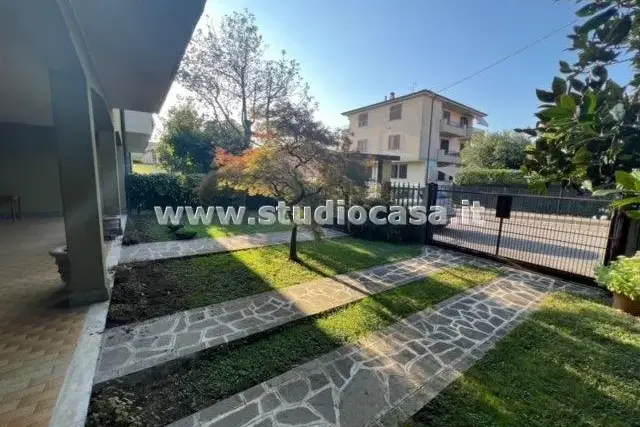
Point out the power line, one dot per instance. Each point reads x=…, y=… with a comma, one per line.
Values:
x=511, y=55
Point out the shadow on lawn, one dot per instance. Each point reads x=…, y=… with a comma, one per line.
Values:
x=572, y=364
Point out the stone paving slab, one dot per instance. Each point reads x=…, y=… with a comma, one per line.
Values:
x=185, y=248
x=131, y=348
x=389, y=376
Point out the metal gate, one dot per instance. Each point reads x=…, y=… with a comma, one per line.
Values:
x=568, y=236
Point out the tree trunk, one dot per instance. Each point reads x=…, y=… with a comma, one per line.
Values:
x=293, y=244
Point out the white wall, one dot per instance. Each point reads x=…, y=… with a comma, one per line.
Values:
x=415, y=173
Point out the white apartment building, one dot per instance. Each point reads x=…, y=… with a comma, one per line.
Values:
x=421, y=128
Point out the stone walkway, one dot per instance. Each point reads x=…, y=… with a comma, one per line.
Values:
x=185, y=248
x=131, y=348
x=388, y=377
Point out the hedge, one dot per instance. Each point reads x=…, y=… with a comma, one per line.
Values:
x=167, y=189
x=468, y=177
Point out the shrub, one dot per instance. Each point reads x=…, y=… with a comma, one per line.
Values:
x=407, y=233
x=622, y=276
x=185, y=233
x=162, y=189
x=174, y=227
x=470, y=176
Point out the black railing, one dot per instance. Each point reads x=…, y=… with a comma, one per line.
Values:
x=567, y=234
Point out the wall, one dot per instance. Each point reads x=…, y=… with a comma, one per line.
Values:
x=379, y=128
x=29, y=168
x=415, y=173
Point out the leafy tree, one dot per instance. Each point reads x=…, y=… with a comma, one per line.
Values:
x=588, y=124
x=226, y=70
x=184, y=146
x=299, y=159
x=495, y=150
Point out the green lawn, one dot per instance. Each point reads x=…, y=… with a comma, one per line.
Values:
x=194, y=384
x=575, y=363
x=144, y=228
x=151, y=289
x=146, y=169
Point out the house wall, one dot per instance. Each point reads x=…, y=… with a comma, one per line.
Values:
x=379, y=128
x=415, y=173
x=29, y=168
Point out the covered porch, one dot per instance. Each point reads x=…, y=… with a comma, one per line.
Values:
x=78, y=83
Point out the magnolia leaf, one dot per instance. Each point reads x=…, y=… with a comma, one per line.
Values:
x=559, y=86
x=605, y=192
x=629, y=201
x=627, y=181
x=577, y=84
x=555, y=112
x=598, y=20
x=545, y=96
x=565, y=67
x=618, y=111
x=620, y=31
x=568, y=102
x=589, y=9
x=528, y=131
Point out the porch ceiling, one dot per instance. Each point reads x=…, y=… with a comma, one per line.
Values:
x=137, y=46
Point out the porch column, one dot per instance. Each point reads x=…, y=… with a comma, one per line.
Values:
x=109, y=172
x=120, y=158
x=74, y=132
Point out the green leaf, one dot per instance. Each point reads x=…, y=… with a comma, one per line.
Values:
x=633, y=214
x=577, y=84
x=618, y=111
x=565, y=67
x=627, y=181
x=600, y=72
x=629, y=201
x=598, y=20
x=545, y=96
x=605, y=192
x=528, y=131
x=620, y=31
x=559, y=86
x=568, y=102
x=555, y=112
x=589, y=10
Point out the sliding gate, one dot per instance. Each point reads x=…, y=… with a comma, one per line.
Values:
x=570, y=236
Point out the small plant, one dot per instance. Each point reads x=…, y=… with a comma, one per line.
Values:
x=622, y=276
x=115, y=411
x=174, y=227
x=628, y=188
x=185, y=233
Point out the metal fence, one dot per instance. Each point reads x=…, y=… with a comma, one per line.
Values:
x=566, y=234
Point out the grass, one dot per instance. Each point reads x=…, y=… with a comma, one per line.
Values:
x=146, y=169
x=152, y=289
x=216, y=374
x=574, y=363
x=144, y=228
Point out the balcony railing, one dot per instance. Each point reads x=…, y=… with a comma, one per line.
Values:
x=455, y=130
x=449, y=157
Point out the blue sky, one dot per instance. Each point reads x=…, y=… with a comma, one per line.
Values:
x=354, y=52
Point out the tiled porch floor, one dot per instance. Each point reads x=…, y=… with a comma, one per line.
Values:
x=37, y=333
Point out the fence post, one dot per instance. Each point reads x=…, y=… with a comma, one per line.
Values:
x=430, y=200
x=618, y=234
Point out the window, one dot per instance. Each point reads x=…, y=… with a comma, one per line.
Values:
x=464, y=122
x=446, y=116
x=441, y=176
x=394, y=142
x=395, y=112
x=362, y=145
x=402, y=171
x=444, y=145
x=399, y=171
x=363, y=120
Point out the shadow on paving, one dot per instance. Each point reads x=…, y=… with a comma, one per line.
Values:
x=176, y=389
x=574, y=363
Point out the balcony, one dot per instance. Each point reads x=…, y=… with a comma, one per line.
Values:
x=451, y=130
x=449, y=157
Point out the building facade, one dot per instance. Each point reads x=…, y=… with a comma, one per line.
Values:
x=425, y=130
